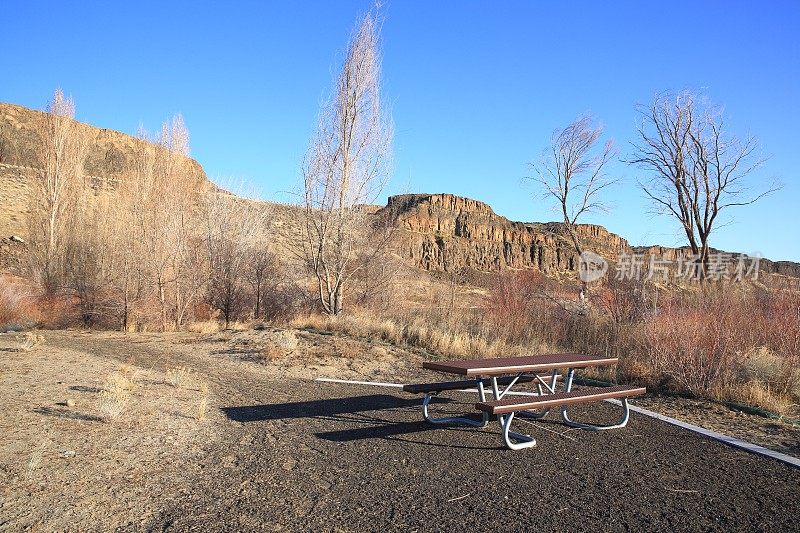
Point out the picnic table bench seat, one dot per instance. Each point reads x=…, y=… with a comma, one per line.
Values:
x=440, y=386
x=501, y=407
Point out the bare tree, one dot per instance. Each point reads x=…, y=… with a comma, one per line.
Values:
x=61, y=153
x=234, y=227
x=696, y=170
x=572, y=171
x=260, y=270
x=347, y=166
x=163, y=205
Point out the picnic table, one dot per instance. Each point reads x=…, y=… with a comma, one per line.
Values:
x=503, y=373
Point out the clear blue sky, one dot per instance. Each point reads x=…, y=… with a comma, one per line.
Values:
x=476, y=87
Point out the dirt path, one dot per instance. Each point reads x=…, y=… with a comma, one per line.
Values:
x=277, y=453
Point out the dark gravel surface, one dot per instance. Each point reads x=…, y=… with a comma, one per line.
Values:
x=322, y=456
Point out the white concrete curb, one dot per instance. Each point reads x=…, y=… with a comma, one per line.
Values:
x=725, y=439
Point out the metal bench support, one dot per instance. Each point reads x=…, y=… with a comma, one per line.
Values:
x=483, y=422
x=626, y=412
x=541, y=386
x=520, y=441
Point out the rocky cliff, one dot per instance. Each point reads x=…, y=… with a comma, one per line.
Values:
x=443, y=232
x=435, y=232
x=109, y=158
x=448, y=233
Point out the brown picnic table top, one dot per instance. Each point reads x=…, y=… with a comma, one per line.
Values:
x=512, y=365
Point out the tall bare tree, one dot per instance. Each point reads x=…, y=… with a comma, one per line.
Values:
x=164, y=209
x=61, y=154
x=347, y=166
x=572, y=171
x=696, y=170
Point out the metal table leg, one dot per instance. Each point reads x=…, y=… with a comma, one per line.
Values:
x=483, y=422
x=519, y=441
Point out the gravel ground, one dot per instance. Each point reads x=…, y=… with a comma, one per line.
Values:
x=327, y=457
x=279, y=451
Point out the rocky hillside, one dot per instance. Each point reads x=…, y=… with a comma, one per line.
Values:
x=448, y=233
x=109, y=158
x=442, y=232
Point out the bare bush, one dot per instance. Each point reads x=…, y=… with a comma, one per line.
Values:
x=235, y=231
x=18, y=309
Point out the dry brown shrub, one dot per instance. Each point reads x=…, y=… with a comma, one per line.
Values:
x=722, y=340
x=18, y=310
x=272, y=352
x=59, y=312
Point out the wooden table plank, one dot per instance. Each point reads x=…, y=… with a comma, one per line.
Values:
x=514, y=365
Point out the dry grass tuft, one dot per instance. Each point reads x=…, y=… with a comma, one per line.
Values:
x=115, y=396
x=202, y=409
x=29, y=341
x=761, y=394
x=181, y=377
x=35, y=460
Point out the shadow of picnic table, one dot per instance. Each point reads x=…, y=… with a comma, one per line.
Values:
x=359, y=411
x=327, y=408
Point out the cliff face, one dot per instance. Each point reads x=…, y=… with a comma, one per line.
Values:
x=781, y=268
x=442, y=232
x=110, y=156
x=447, y=233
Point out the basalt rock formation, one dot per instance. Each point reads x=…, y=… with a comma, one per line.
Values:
x=109, y=157
x=443, y=232
x=448, y=233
